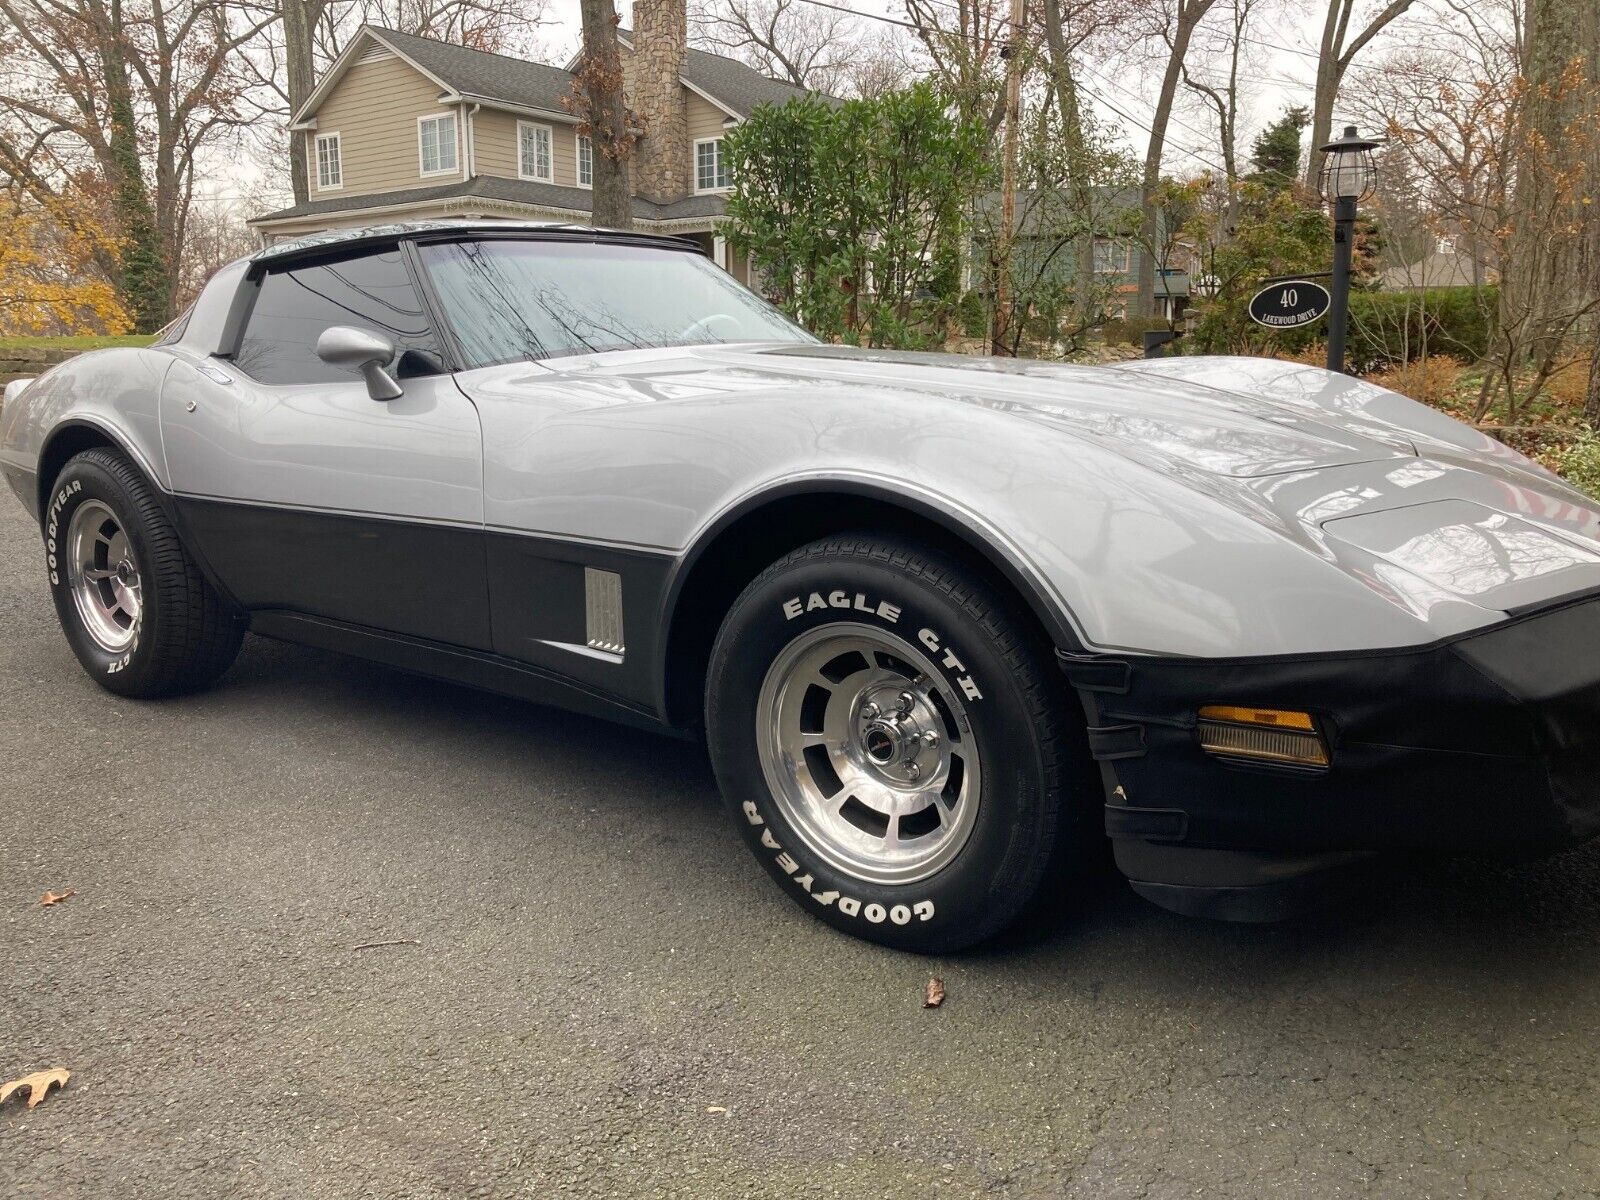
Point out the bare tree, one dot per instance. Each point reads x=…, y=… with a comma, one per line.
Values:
x=214, y=235
x=597, y=100
x=1561, y=151
x=810, y=47
x=967, y=42
x=1228, y=49
x=126, y=96
x=883, y=62
x=1341, y=42
x=1175, y=22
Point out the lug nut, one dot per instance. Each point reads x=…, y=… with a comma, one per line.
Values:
x=869, y=711
x=930, y=738
x=906, y=701
x=914, y=771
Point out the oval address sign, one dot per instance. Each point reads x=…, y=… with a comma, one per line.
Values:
x=1290, y=304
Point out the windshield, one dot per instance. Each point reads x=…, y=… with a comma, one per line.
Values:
x=514, y=299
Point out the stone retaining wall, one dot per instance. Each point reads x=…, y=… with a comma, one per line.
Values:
x=20, y=362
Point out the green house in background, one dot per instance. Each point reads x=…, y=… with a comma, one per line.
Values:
x=1048, y=239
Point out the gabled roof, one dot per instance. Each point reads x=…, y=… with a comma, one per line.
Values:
x=478, y=74
x=500, y=80
x=730, y=84
x=460, y=71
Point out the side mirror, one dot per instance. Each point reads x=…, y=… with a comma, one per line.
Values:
x=368, y=352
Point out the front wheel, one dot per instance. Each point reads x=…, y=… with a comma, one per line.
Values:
x=137, y=612
x=894, y=742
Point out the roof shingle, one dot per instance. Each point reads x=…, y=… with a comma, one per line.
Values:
x=495, y=187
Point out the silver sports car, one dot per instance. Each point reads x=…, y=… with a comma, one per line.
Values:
x=945, y=624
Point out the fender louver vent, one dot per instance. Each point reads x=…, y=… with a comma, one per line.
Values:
x=603, y=610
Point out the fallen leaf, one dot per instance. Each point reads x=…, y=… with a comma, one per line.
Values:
x=38, y=1085
x=49, y=898
x=933, y=994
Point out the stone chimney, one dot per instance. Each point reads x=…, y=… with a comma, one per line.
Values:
x=661, y=160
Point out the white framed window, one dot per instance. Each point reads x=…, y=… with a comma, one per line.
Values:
x=710, y=168
x=585, y=160
x=436, y=144
x=330, y=167
x=534, y=159
x=1111, y=258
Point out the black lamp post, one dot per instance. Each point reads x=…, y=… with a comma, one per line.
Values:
x=1349, y=175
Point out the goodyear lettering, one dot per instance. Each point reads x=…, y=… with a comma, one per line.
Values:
x=53, y=523
x=900, y=914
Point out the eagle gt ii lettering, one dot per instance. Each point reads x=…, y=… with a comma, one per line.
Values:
x=944, y=623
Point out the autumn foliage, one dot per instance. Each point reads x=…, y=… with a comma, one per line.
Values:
x=50, y=281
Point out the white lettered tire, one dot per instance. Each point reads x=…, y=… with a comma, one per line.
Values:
x=137, y=612
x=895, y=742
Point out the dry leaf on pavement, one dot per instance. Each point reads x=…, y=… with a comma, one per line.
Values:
x=38, y=1085
x=933, y=994
x=49, y=898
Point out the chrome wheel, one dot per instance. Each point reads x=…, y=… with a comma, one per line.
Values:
x=869, y=757
x=103, y=576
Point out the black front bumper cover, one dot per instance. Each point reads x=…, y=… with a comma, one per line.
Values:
x=1487, y=742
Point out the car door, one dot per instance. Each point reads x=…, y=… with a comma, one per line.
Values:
x=304, y=493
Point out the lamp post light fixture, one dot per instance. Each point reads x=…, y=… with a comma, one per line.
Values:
x=1348, y=176
x=1205, y=285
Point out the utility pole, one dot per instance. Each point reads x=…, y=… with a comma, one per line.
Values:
x=1000, y=327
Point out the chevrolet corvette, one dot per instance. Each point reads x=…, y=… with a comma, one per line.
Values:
x=945, y=624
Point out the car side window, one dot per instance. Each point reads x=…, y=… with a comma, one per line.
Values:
x=296, y=303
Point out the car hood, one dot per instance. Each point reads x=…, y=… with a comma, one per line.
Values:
x=1163, y=422
x=1304, y=455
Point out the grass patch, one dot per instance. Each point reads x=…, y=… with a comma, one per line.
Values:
x=83, y=342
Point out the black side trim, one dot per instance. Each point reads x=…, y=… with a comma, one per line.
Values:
x=1095, y=672
x=1156, y=824
x=487, y=672
x=1109, y=742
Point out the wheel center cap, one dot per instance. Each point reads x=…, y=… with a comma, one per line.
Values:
x=881, y=745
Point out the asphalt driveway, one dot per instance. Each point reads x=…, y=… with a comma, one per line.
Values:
x=598, y=992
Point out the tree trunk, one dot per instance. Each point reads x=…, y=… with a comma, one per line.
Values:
x=600, y=77
x=1080, y=182
x=300, y=18
x=1337, y=51
x=144, y=270
x=1003, y=338
x=1188, y=15
x=1591, y=404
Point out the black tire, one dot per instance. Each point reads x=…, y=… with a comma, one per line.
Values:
x=185, y=635
x=1025, y=727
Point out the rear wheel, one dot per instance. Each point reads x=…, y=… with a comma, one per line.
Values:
x=136, y=610
x=895, y=742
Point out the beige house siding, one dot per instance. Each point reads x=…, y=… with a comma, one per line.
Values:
x=705, y=119
x=496, y=142
x=374, y=110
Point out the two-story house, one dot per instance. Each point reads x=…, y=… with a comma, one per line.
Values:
x=408, y=128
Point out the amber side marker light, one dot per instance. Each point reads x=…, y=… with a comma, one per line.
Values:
x=1268, y=735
